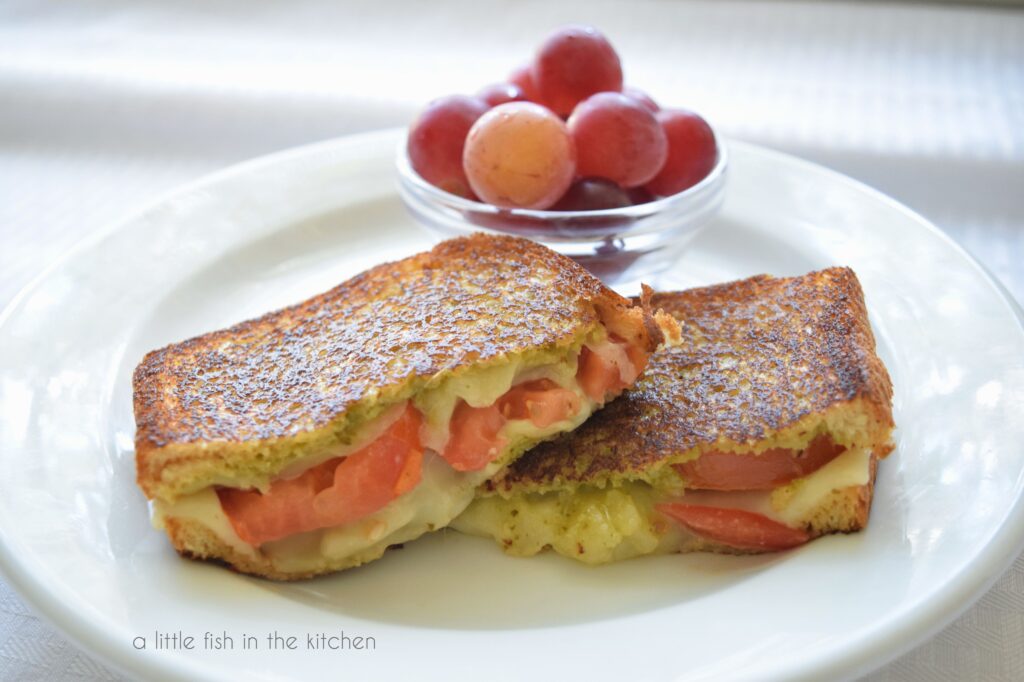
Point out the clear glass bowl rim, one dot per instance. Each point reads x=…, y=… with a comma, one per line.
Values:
x=675, y=201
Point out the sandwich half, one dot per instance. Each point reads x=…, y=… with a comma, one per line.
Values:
x=313, y=438
x=758, y=432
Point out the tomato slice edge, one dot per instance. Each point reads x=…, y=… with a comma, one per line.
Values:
x=737, y=528
x=327, y=494
x=729, y=471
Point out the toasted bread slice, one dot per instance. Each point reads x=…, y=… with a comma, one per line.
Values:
x=277, y=397
x=782, y=371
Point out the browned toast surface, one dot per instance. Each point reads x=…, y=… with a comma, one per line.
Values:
x=468, y=301
x=757, y=356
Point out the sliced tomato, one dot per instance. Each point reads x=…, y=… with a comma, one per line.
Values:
x=717, y=470
x=367, y=480
x=543, y=402
x=609, y=368
x=285, y=509
x=735, y=527
x=637, y=356
x=474, y=438
x=598, y=375
x=336, y=492
x=411, y=473
x=631, y=360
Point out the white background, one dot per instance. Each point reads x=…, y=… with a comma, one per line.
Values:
x=104, y=106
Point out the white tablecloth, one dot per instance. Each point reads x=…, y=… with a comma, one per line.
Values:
x=103, y=106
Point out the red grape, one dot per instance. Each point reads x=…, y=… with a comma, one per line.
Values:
x=522, y=78
x=573, y=64
x=519, y=155
x=691, y=152
x=618, y=139
x=642, y=97
x=437, y=138
x=592, y=194
x=640, y=195
x=500, y=93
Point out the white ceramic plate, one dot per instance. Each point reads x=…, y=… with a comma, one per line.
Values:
x=74, y=531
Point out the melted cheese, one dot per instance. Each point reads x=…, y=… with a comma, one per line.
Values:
x=601, y=525
x=204, y=507
x=481, y=389
x=590, y=525
x=441, y=495
x=366, y=435
x=793, y=503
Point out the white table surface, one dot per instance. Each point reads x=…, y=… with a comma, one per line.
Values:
x=104, y=106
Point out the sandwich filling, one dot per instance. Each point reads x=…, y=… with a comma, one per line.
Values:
x=415, y=466
x=731, y=501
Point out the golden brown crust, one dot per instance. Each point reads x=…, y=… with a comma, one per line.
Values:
x=468, y=301
x=757, y=356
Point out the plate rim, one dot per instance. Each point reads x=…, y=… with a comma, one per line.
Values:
x=881, y=645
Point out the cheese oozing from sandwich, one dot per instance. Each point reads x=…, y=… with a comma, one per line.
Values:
x=511, y=406
x=599, y=525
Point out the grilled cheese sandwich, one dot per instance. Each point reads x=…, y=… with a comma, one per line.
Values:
x=759, y=431
x=313, y=438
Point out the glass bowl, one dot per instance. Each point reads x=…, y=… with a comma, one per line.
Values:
x=622, y=246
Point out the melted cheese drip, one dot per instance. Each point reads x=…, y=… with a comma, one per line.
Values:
x=203, y=507
x=850, y=469
x=601, y=525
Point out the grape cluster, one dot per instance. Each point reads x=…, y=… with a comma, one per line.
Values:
x=562, y=134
